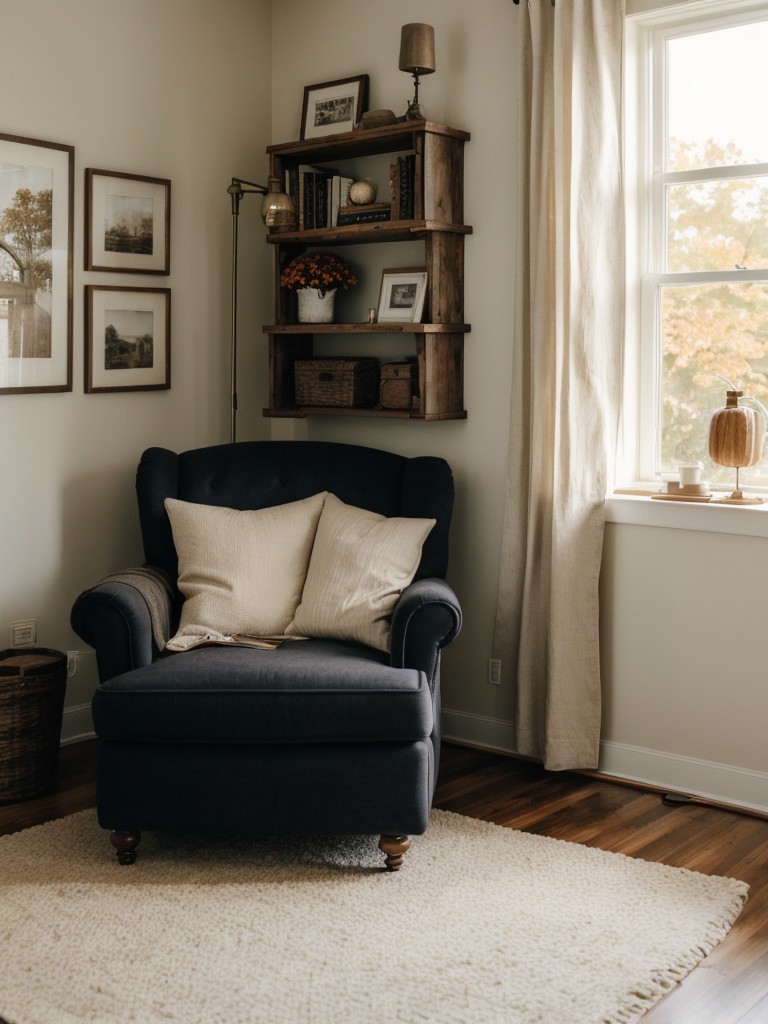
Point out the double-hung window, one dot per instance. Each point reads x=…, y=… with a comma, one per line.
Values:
x=697, y=216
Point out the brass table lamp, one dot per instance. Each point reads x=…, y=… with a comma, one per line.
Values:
x=417, y=57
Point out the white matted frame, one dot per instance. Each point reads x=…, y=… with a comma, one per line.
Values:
x=127, y=339
x=333, y=107
x=36, y=245
x=401, y=299
x=127, y=222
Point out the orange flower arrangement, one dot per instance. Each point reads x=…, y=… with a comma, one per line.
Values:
x=321, y=270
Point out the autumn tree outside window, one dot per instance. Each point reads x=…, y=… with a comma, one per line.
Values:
x=697, y=201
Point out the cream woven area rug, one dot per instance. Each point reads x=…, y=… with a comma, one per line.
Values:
x=483, y=925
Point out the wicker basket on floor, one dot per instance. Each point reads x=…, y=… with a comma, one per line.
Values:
x=33, y=681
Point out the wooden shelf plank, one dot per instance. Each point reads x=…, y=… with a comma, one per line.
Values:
x=363, y=142
x=302, y=412
x=365, y=328
x=380, y=231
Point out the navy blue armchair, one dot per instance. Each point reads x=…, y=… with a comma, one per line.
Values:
x=317, y=737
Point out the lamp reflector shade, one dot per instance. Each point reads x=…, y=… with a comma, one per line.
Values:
x=277, y=208
x=417, y=49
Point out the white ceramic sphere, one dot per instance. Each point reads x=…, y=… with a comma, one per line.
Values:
x=362, y=192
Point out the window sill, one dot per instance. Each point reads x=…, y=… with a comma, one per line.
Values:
x=641, y=510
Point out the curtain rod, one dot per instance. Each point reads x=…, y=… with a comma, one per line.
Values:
x=518, y=2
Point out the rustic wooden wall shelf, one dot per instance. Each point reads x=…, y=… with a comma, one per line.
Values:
x=438, y=207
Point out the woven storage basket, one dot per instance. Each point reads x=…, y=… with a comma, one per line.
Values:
x=32, y=685
x=399, y=383
x=344, y=383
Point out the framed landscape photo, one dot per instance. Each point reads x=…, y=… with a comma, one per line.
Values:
x=127, y=223
x=333, y=107
x=127, y=339
x=36, y=236
x=402, y=295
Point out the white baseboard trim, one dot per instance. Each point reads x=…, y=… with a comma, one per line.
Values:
x=76, y=724
x=479, y=731
x=722, y=783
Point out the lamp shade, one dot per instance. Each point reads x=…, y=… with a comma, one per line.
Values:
x=278, y=209
x=417, y=49
x=736, y=434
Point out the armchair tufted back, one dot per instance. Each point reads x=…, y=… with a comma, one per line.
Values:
x=261, y=474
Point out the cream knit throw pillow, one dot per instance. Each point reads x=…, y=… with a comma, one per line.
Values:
x=360, y=564
x=242, y=571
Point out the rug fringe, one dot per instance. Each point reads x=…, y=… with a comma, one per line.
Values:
x=665, y=981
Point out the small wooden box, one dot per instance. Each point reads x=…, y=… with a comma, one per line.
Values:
x=398, y=385
x=343, y=383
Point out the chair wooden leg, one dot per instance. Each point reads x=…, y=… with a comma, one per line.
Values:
x=125, y=843
x=395, y=847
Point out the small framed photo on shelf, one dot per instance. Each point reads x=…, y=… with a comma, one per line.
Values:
x=333, y=107
x=127, y=339
x=402, y=295
x=127, y=223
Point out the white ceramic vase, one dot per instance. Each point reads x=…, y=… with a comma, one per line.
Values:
x=315, y=308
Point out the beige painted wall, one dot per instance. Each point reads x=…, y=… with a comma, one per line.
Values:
x=683, y=650
x=684, y=643
x=169, y=88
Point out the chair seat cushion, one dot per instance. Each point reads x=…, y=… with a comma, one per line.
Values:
x=243, y=695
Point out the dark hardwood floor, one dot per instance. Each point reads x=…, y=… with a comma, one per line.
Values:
x=730, y=987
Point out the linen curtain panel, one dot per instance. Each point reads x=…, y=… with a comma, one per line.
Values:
x=568, y=338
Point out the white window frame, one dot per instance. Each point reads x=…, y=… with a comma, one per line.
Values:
x=646, y=35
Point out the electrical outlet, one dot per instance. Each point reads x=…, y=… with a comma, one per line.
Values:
x=72, y=659
x=24, y=633
x=494, y=671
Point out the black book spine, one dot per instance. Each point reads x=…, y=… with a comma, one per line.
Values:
x=309, y=201
x=411, y=172
x=363, y=217
x=321, y=202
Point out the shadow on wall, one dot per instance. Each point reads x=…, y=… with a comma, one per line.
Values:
x=100, y=529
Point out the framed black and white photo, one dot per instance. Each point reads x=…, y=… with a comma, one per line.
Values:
x=36, y=235
x=333, y=107
x=402, y=295
x=127, y=338
x=127, y=223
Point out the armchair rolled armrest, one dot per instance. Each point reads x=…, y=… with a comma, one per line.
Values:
x=426, y=619
x=127, y=618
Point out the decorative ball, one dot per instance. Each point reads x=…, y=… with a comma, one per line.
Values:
x=362, y=192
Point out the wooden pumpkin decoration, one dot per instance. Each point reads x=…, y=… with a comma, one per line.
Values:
x=736, y=439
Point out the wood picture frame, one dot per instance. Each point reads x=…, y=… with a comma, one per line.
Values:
x=36, y=259
x=127, y=339
x=127, y=222
x=401, y=299
x=332, y=108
